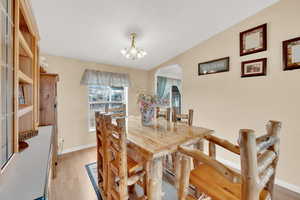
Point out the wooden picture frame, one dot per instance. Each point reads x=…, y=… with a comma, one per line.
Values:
x=253, y=40
x=257, y=67
x=214, y=66
x=291, y=54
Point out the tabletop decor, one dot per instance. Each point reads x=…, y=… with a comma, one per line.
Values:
x=214, y=66
x=256, y=67
x=291, y=54
x=147, y=104
x=253, y=40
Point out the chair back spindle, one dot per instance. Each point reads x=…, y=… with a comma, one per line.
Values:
x=116, y=112
x=187, y=118
x=165, y=114
x=259, y=157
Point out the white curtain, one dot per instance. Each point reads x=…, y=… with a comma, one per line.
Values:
x=164, y=86
x=94, y=77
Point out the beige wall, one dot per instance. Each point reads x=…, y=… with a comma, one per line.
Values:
x=225, y=102
x=73, y=97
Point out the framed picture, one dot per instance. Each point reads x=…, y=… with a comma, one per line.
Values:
x=291, y=54
x=256, y=67
x=253, y=40
x=214, y=66
x=21, y=95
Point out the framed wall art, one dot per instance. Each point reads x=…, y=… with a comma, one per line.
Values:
x=214, y=66
x=291, y=54
x=252, y=68
x=253, y=40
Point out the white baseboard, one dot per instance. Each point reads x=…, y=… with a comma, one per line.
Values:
x=77, y=148
x=279, y=182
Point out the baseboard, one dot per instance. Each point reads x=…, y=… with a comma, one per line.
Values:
x=279, y=182
x=77, y=148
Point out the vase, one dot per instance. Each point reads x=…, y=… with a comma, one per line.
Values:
x=147, y=116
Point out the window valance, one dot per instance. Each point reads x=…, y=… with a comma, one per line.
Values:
x=94, y=77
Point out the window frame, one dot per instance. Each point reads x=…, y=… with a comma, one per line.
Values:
x=124, y=101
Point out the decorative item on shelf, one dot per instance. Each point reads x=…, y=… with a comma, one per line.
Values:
x=291, y=54
x=253, y=40
x=43, y=64
x=214, y=66
x=21, y=94
x=133, y=52
x=27, y=135
x=147, y=104
x=22, y=146
x=256, y=67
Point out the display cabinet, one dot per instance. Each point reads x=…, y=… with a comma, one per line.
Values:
x=26, y=73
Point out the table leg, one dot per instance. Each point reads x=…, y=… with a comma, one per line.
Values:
x=155, y=185
x=177, y=165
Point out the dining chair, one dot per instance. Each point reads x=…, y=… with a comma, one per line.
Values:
x=116, y=111
x=184, y=118
x=101, y=152
x=163, y=113
x=123, y=171
x=258, y=157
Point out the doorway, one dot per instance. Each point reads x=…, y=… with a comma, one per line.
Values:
x=176, y=99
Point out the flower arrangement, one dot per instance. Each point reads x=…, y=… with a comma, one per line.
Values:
x=146, y=100
x=147, y=103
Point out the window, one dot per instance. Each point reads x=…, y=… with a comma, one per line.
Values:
x=6, y=82
x=102, y=96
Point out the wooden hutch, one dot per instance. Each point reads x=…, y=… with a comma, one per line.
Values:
x=26, y=59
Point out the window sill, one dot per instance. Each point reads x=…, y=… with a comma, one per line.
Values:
x=92, y=130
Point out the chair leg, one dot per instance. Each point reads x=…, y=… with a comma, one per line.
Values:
x=184, y=178
x=146, y=179
x=174, y=155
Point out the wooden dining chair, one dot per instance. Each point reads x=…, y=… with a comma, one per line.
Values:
x=123, y=171
x=184, y=118
x=163, y=113
x=117, y=111
x=259, y=157
x=101, y=139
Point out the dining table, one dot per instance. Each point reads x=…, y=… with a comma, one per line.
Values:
x=157, y=140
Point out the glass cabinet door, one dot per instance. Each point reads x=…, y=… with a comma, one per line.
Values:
x=6, y=82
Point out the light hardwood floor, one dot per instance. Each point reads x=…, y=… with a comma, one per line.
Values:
x=73, y=183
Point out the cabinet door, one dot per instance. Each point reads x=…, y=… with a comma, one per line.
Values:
x=6, y=83
x=47, y=99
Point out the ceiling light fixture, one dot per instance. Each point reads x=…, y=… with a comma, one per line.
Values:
x=133, y=52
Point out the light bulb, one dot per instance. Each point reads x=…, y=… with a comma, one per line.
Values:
x=133, y=51
x=123, y=51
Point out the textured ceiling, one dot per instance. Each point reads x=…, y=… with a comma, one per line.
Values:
x=96, y=30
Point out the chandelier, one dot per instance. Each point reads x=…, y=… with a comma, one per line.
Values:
x=133, y=52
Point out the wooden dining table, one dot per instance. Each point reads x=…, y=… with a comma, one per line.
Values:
x=157, y=140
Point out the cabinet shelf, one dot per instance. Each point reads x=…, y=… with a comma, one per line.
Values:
x=24, y=109
x=23, y=78
x=25, y=49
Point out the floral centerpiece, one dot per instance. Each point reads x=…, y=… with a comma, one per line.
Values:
x=147, y=105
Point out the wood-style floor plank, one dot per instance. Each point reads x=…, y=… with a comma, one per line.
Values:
x=72, y=181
